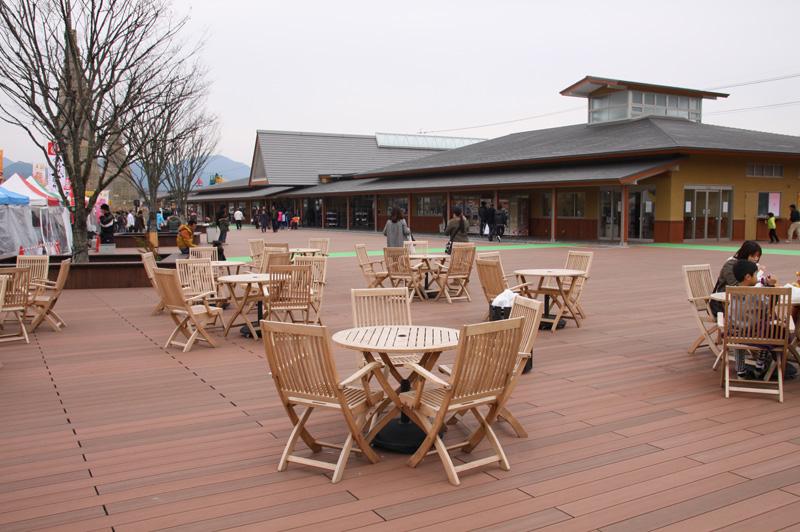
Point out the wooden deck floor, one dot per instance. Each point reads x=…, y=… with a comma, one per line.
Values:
x=100, y=427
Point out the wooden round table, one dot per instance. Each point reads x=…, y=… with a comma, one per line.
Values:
x=396, y=345
x=304, y=251
x=249, y=280
x=561, y=296
x=428, y=260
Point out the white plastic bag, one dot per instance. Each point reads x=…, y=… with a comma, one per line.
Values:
x=504, y=299
x=486, y=230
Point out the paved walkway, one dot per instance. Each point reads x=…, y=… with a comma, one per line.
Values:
x=102, y=427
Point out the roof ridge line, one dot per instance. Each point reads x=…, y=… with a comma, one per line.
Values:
x=670, y=137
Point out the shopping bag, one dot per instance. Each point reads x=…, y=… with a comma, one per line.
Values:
x=486, y=230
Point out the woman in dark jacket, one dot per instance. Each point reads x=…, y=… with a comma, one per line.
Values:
x=748, y=251
x=457, y=227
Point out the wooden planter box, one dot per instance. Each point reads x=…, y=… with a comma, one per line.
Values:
x=165, y=239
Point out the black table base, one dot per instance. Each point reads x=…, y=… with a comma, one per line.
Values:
x=400, y=435
x=245, y=331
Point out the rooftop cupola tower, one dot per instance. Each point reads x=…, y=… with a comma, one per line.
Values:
x=615, y=99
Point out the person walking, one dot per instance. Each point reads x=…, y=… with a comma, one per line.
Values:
x=396, y=230
x=771, y=225
x=456, y=229
x=185, y=238
x=106, y=225
x=273, y=216
x=263, y=220
x=138, y=226
x=223, y=222
x=794, y=222
x=490, y=214
x=500, y=221
x=131, y=221
x=482, y=216
x=238, y=218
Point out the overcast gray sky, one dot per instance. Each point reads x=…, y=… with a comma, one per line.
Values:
x=401, y=67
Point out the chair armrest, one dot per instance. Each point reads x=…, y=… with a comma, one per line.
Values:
x=446, y=370
x=368, y=368
x=203, y=296
x=699, y=298
x=43, y=284
x=427, y=375
x=518, y=287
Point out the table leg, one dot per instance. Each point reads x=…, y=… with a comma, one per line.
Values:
x=240, y=303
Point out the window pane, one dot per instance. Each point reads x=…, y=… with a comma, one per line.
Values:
x=636, y=97
x=694, y=116
x=778, y=170
x=661, y=99
x=767, y=170
x=763, y=203
x=597, y=103
x=546, y=204
x=617, y=113
x=672, y=101
x=683, y=102
x=429, y=205
x=580, y=203
x=694, y=104
x=650, y=98
x=758, y=170
x=566, y=204
x=751, y=169
x=637, y=110
x=619, y=98
x=600, y=116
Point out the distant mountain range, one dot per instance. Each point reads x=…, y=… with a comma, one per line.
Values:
x=217, y=164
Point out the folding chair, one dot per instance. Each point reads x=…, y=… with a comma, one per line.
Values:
x=197, y=277
x=755, y=320
x=204, y=252
x=256, y=249
x=454, y=275
x=576, y=260
x=289, y=291
x=46, y=300
x=493, y=279
x=304, y=372
x=401, y=273
x=15, y=300
x=374, y=276
x=322, y=244
x=319, y=276
x=191, y=315
x=150, y=266
x=699, y=283
x=531, y=310
x=482, y=376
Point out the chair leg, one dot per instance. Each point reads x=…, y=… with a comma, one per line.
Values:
x=696, y=345
x=23, y=330
x=514, y=422
x=297, y=431
x=493, y=441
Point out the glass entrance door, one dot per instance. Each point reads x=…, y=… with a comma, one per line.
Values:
x=641, y=214
x=707, y=213
x=610, y=215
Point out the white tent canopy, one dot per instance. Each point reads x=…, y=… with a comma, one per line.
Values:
x=17, y=184
x=51, y=222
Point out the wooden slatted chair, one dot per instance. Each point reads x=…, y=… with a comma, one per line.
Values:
x=483, y=374
x=531, y=310
x=492, y=278
x=45, y=302
x=289, y=291
x=453, y=276
x=256, y=249
x=304, y=372
x=322, y=244
x=374, y=274
x=191, y=315
x=273, y=257
x=401, y=273
x=576, y=260
x=319, y=278
x=15, y=300
x=197, y=277
x=699, y=283
x=204, y=252
x=755, y=320
x=149, y=262
x=39, y=266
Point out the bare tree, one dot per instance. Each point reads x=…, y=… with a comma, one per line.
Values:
x=190, y=158
x=81, y=73
x=161, y=131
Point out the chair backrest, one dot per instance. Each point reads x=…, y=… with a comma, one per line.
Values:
x=531, y=310
x=150, y=266
x=256, y=248
x=757, y=316
x=63, y=275
x=486, y=359
x=319, y=272
x=579, y=260
x=362, y=255
x=282, y=245
x=417, y=246
x=322, y=244
x=196, y=275
x=18, y=282
x=204, y=252
x=169, y=286
x=380, y=306
x=38, y=265
x=490, y=273
x=299, y=358
x=461, y=260
x=699, y=283
x=397, y=262
x=289, y=287
x=274, y=257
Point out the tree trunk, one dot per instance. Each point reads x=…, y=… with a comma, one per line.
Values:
x=80, y=244
x=152, y=226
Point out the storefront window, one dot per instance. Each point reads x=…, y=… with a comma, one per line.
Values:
x=312, y=212
x=429, y=205
x=385, y=204
x=571, y=204
x=335, y=212
x=470, y=205
x=361, y=214
x=517, y=209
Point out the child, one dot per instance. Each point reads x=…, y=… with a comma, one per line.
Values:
x=746, y=273
x=773, y=236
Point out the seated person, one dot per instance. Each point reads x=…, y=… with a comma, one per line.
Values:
x=185, y=239
x=748, y=251
x=746, y=274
